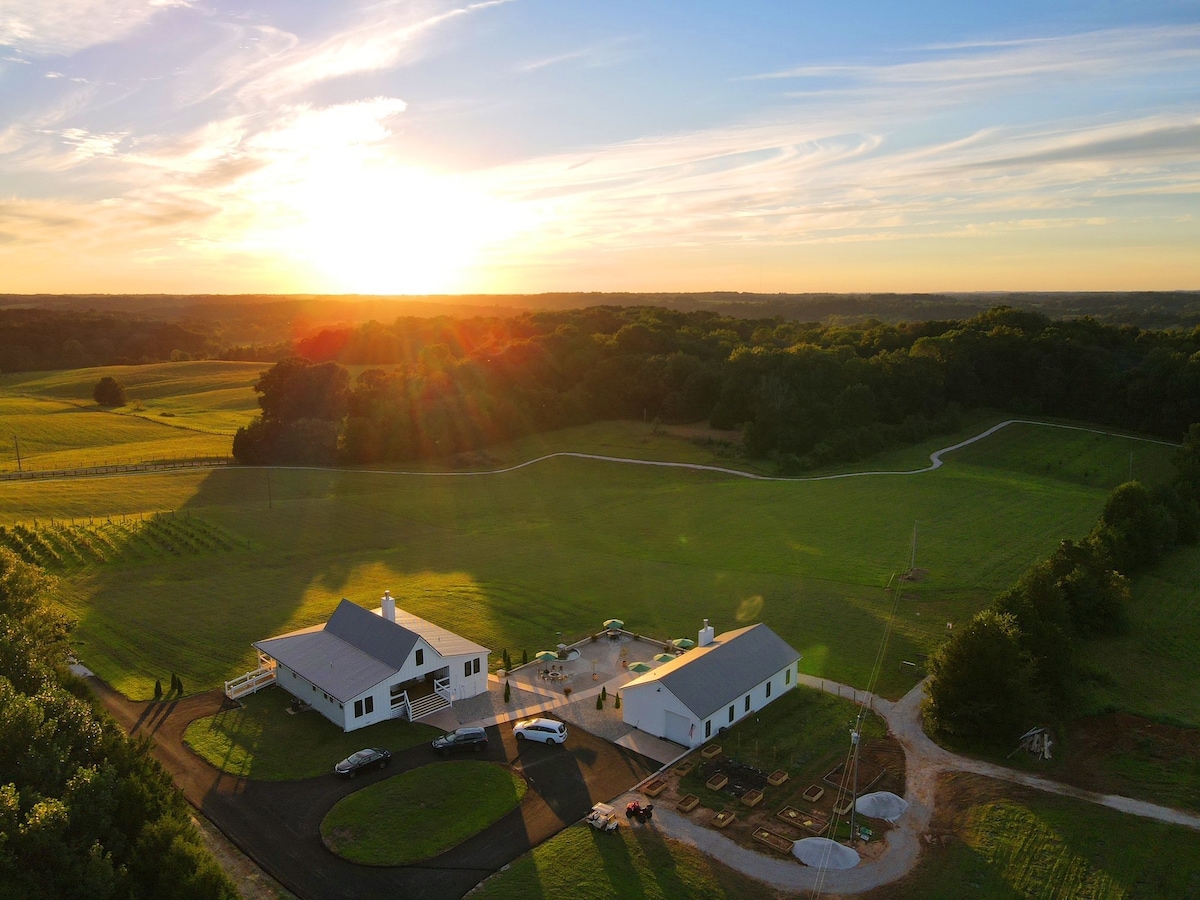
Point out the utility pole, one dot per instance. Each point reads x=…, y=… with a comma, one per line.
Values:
x=269, y=506
x=18, y=446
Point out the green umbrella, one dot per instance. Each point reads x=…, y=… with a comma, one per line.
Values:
x=639, y=667
x=684, y=643
x=545, y=656
x=664, y=657
x=613, y=623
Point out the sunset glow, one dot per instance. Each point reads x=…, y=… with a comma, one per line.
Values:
x=405, y=147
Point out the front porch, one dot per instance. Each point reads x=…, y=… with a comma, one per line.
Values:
x=420, y=697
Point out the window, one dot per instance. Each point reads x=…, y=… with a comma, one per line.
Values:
x=787, y=675
x=730, y=713
x=747, y=703
x=475, y=666
x=467, y=668
x=420, y=656
x=369, y=704
x=357, y=708
x=768, y=689
x=708, y=728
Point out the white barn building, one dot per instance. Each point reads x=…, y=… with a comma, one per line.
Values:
x=362, y=667
x=725, y=678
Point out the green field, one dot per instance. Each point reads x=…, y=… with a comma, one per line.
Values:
x=1006, y=842
x=175, y=410
x=629, y=864
x=420, y=813
x=508, y=560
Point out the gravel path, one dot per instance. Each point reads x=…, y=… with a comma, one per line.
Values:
x=924, y=763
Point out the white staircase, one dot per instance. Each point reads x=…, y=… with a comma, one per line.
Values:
x=426, y=706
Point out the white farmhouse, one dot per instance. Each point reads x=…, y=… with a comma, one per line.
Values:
x=724, y=679
x=363, y=667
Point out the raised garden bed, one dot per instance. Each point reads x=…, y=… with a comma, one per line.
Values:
x=776, y=778
x=688, y=803
x=684, y=768
x=711, y=751
x=655, y=787
x=723, y=819
x=717, y=782
x=814, y=823
x=775, y=841
x=813, y=793
x=752, y=797
x=840, y=809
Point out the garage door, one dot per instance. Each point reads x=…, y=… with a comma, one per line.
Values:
x=677, y=728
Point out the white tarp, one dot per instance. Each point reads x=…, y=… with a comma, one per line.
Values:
x=881, y=805
x=824, y=852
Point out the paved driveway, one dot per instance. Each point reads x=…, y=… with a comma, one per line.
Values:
x=278, y=823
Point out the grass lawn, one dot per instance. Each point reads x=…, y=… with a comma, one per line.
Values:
x=420, y=813
x=1152, y=669
x=1006, y=842
x=634, y=863
x=509, y=560
x=261, y=740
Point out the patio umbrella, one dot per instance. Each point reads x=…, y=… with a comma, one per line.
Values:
x=684, y=643
x=664, y=657
x=545, y=655
x=639, y=667
x=613, y=623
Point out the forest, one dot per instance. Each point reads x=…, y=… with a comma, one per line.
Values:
x=803, y=394
x=84, y=810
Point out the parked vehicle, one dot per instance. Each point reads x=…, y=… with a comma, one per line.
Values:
x=603, y=817
x=548, y=731
x=635, y=810
x=363, y=759
x=463, y=739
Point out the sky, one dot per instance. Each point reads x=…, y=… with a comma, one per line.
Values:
x=522, y=146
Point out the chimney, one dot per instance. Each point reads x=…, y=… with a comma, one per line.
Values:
x=706, y=635
x=389, y=606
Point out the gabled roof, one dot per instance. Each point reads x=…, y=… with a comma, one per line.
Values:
x=357, y=649
x=710, y=677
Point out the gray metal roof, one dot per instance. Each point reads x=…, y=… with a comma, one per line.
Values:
x=710, y=677
x=354, y=651
x=337, y=668
x=386, y=641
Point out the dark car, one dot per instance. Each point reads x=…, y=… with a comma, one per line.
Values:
x=363, y=759
x=462, y=739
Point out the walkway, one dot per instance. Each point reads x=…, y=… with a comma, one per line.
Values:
x=925, y=762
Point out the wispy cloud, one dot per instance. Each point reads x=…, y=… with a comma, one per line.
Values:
x=59, y=27
x=602, y=53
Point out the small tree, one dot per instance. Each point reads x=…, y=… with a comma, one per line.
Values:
x=599, y=702
x=617, y=704
x=157, y=688
x=524, y=657
x=507, y=691
x=507, y=660
x=603, y=692
x=109, y=392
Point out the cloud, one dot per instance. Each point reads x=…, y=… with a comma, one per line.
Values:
x=387, y=37
x=603, y=53
x=62, y=27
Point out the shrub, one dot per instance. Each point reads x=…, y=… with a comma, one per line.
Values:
x=507, y=692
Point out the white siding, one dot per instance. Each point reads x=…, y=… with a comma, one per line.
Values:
x=645, y=706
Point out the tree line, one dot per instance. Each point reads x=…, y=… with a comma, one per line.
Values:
x=804, y=394
x=84, y=810
x=1013, y=665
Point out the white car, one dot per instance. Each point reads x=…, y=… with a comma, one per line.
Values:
x=547, y=731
